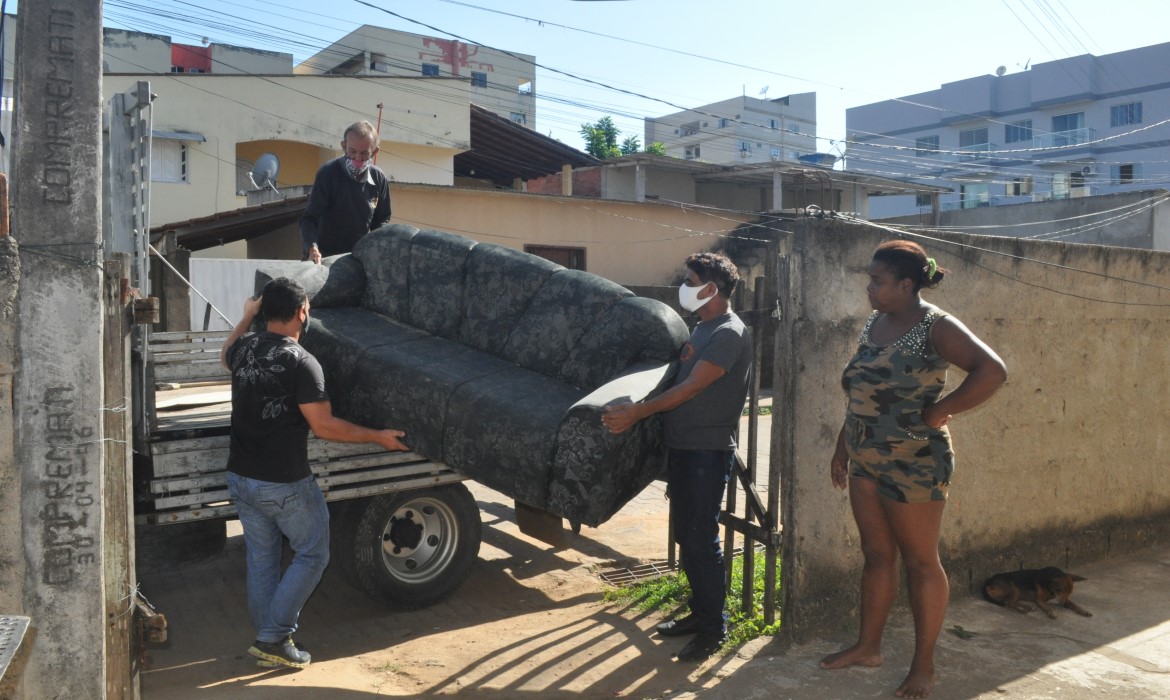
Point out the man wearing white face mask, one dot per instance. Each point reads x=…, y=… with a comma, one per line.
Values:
x=350, y=197
x=700, y=416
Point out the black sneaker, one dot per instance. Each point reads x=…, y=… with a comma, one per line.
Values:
x=283, y=653
x=702, y=646
x=679, y=627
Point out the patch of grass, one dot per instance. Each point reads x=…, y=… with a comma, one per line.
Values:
x=764, y=411
x=668, y=594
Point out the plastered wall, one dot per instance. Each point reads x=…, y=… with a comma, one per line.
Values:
x=1066, y=464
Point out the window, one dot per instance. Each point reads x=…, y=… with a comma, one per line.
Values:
x=925, y=145
x=975, y=195
x=519, y=117
x=973, y=137
x=794, y=127
x=176, y=69
x=773, y=123
x=478, y=79
x=525, y=88
x=430, y=69
x=1125, y=173
x=572, y=258
x=1018, y=131
x=1020, y=186
x=724, y=122
x=745, y=147
x=689, y=129
x=1060, y=185
x=168, y=161
x=692, y=152
x=1068, y=122
x=1126, y=114
x=922, y=200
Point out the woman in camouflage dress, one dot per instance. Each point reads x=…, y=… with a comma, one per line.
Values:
x=896, y=438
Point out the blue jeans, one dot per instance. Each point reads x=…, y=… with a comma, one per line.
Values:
x=697, y=480
x=269, y=512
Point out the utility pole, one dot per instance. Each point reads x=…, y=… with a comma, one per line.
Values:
x=58, y=390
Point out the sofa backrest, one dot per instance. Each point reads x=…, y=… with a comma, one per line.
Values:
x=560, y=313
x=500, y=285
x=572, y=325
x=385, y=257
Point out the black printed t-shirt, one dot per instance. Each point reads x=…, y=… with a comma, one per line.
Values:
x=271, y=376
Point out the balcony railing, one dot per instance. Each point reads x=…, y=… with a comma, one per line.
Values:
x=1058, y=139
x=976, y=151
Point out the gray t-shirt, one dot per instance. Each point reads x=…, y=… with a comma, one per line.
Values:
x=708, y=421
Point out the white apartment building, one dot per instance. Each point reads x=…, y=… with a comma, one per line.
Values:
x=504, y=83
x=1074, y=127
x=742, y=130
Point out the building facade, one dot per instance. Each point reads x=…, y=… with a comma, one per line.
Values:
x=742, y=130
x=1069, y=128
x=504, y=83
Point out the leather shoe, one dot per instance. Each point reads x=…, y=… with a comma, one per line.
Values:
x=702, y=646
x=679, y=627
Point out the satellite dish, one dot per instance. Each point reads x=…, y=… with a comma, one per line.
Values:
x=263, y=173
x=1000, y=71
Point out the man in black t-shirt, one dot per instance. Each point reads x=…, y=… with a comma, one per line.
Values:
x=700, y=415
x=278, y=394
x=350, y=197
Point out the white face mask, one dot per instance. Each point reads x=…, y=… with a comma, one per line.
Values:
x=688, y=297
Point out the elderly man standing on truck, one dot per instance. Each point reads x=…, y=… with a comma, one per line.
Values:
x=278, y=393
x=700, y=415
x=350, y=197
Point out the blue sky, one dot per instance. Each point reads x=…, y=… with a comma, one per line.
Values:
x=690, y=53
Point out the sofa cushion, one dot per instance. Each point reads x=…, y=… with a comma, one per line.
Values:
x=408, y=386
x=385, y=256
x=501, y=283
x=438, y=266
x=633, y=330
x=339, y=337
x=502, y=431
x=560, y=313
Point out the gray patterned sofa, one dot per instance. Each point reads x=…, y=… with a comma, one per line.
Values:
x=498, y=364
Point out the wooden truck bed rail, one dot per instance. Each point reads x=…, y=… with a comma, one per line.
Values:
x=190, y=396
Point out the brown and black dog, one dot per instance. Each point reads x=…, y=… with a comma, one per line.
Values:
x=1037, y=586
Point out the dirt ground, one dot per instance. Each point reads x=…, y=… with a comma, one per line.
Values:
x=530, y=621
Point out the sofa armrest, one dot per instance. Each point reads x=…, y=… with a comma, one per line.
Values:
x=641, y=381
x=595, y=472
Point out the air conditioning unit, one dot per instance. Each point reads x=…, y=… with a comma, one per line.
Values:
x=1090, y=169
x=1077, y=192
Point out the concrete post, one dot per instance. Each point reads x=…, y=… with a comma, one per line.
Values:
x=639, y=183
x=777, y=190
x=56, y=218
x=567, y=180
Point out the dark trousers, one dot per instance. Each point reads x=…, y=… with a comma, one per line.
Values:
x=697, y=480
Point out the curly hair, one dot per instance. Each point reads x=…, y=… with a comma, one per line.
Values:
x=908, y=260
x=717, y=268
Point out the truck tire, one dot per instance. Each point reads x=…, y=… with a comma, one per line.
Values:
x=409, y=549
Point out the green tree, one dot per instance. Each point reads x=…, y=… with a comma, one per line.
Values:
x=656, y=148
x=631, y=145
x=601, y=138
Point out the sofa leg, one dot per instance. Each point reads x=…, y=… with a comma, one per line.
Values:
x=540, y=524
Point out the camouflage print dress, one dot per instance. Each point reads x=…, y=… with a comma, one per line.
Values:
x=885, y=435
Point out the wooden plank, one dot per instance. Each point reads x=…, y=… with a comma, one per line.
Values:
x=197, y=348
x=194, y=371
x=180, y=336
x=215, y=509
x=356, y=468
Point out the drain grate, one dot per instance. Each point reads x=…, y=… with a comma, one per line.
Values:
x=643, y=572
x=12, y=628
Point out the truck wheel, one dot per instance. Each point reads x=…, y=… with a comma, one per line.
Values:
x=410, y=549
